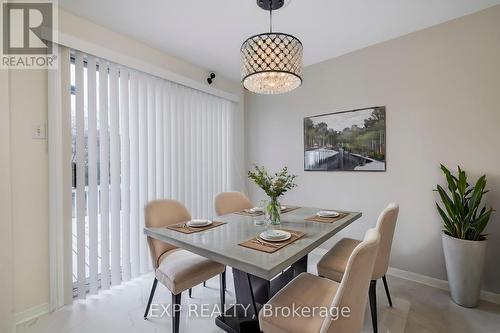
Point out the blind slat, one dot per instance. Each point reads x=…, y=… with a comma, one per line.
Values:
x=80, y=175
x=135, y=210
x=167, y=178
x=125, y=173
x=188, y=166
x=151, y=143
x=219, y=148
x=205, y=153
x=143, y=168
x=114, y=121
x=192, y=158
x=213, y=149
x=92, y=173
x=180, y=141
x=159, y=139
x=199, y=159
x=104, y=171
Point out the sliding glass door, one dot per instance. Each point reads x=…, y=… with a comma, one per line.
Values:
x=138, y=138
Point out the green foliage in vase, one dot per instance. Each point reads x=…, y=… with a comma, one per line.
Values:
x=274, y=185
x=463, y=214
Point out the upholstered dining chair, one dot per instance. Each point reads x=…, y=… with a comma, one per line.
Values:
x=177, y=269
x=333, y=264
x=231, y=202
x=308, y=291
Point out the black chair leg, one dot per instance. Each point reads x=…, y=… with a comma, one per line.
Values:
x=190, y=292
x=225, y=281
x=387, y=291
x=205, y=284
x=373, y=304
x=222, y=290
x=176, y=312
x=153, y=288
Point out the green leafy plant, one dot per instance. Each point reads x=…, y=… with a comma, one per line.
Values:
x=462, y=214
x=274, y=185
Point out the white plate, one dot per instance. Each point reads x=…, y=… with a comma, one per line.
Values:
x=275, y=235
x=255, y=210
x=327, y=213
x=199, y=223
x=283, y=207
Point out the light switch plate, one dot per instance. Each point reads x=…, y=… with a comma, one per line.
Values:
x=39, y=131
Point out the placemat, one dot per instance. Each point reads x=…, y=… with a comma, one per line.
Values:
x=270, y=247
x=316, y=218
x=182, y=227
x=243, y=212
x=289, y=209
x=246, y=213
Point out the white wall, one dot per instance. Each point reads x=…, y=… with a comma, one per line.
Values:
x=441, y=87
x=24, y=163
x=29, y=176
x=6, y=264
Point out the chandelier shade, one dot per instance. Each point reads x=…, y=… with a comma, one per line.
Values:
x=271, y=63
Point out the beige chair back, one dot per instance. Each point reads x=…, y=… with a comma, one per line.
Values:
x=231, y=202
x=353, y=290
x=386, y=225
x=161, y=213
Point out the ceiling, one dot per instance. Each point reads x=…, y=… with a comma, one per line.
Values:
x=209, y=33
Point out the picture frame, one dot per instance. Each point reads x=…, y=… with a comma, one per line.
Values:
x=353, y=140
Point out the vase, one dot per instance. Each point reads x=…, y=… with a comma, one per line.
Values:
x=273, y=211
x=464, y=266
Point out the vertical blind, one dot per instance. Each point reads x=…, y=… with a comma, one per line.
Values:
x=138, y=138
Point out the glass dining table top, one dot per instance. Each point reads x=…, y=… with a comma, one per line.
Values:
x=221, y=243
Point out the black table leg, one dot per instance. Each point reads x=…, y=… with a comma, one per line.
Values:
x=252, y=292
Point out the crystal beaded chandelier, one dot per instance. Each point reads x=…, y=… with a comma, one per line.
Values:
x=271, y=63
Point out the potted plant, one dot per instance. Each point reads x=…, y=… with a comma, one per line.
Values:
x=275, y=186
x=464, y=242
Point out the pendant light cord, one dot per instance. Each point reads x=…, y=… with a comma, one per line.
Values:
x=270, y=16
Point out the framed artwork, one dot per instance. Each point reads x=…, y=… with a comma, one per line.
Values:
x=346, y=141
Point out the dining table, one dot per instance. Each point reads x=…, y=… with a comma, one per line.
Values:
x=257, y=275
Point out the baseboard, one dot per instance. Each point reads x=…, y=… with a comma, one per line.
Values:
x=426, y=280
x=420, y=278
x=488, y=296
x=32, y=313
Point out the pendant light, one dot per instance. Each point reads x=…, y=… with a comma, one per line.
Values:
x=271, y=63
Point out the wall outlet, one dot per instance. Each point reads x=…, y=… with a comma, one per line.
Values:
x=39, y=131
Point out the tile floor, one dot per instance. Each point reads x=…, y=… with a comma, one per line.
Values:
x=417, y=308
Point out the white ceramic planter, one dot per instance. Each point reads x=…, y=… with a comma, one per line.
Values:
x=464, y=266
